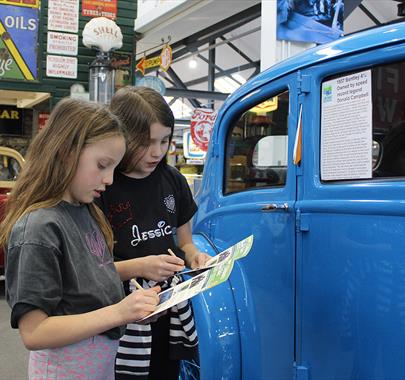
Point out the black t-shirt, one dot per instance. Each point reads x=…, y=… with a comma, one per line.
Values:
x=144, y=213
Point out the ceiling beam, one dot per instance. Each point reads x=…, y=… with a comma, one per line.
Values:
x=217, y=30
x=192, y=94
x=370, y=15
x=235, y=48
x=233, y=70
x=179, y=83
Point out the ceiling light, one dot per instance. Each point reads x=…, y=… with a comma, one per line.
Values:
x=192, y=63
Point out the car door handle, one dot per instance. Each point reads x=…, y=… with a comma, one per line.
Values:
x=275, y=207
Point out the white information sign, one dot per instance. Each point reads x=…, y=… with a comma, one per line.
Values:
x=346, y=127
x=61, y=67
x=62, y=43
x=63, y=15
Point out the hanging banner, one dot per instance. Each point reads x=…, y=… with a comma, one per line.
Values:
x=18, y=42
x=202, y=121
x=100, y=8
x=310, y=21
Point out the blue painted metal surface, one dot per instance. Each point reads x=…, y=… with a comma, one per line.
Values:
x=322, y=293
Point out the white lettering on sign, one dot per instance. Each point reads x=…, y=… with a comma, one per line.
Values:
x=20, y=22
x=62, y=43
x=5, y=65
x=201, y=125
x=61, y=67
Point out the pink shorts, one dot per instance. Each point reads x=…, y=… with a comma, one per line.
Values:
x=90, y=359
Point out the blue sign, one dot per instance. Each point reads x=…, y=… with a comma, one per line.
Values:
x=152, y=82
x=18, y=42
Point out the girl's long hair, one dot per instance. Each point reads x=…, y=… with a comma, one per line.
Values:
x=138, y=108
x=52, y=161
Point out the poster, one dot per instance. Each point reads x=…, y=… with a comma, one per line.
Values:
x=317, y=21
x=18, y=42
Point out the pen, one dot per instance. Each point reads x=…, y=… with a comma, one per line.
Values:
x=171, y=252
x=136, y=283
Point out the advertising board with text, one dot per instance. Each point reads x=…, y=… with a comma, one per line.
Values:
x=18, y=42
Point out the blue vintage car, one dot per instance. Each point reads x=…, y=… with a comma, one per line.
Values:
x=309, y=157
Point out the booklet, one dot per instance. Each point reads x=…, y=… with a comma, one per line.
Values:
x=215, y=272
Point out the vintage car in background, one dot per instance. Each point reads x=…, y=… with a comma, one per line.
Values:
x=11, y=162
x=309, y=157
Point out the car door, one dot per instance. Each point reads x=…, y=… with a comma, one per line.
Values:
x=250, y=188
x=351, y=235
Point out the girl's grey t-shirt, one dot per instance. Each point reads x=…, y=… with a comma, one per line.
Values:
x=58, y=261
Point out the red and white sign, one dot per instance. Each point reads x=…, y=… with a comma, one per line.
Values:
x=61, y=67
x=63, y=15
x=42, y=120
x=202, y=121
x=100, y=8
x=62, y=43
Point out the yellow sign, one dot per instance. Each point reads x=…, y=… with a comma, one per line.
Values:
x=22, y=3
x=267, y=106
x=164, y=60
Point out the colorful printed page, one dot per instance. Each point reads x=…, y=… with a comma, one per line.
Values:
x=217, y=270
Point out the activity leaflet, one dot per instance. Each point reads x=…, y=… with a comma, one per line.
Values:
x=215, y=272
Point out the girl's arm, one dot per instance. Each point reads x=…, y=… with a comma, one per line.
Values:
x=39, y=331
x=154, y=267
x=194, y=258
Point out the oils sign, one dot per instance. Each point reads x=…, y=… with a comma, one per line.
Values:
x=11, y=121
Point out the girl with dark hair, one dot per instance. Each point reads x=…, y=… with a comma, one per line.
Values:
x=149, y=207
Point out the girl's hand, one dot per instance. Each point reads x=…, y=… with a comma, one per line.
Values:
x=199, y=260
x=138, y=304
x=159, y=267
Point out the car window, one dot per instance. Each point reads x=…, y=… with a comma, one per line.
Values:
x=257, y=147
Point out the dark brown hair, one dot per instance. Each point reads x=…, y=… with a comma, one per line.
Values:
x=138, y=108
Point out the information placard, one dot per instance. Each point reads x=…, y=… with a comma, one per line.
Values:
x=346, y=127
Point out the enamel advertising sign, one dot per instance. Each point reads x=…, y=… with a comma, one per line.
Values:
x=18, y=40
x=100, y=8
x=201, y=125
